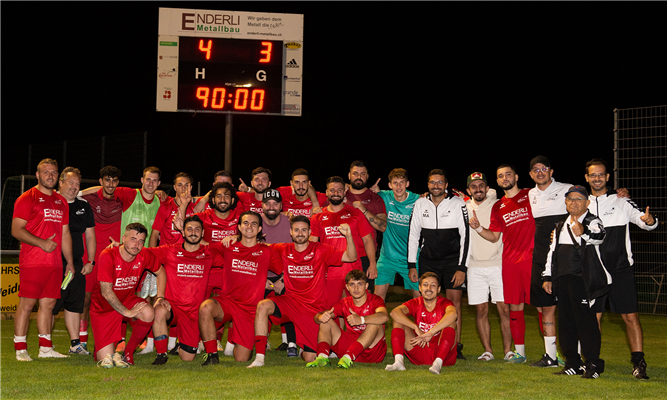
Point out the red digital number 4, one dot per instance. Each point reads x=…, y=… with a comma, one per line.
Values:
x=207, y=49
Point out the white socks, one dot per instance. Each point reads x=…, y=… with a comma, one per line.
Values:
x=397, y=365
x=259, y=361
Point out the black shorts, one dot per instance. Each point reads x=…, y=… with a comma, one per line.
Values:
x=74, y=296
x=622, y=294
x=538, y=297
x=445, y=274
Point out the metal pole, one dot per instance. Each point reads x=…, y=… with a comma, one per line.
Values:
x=228, y=143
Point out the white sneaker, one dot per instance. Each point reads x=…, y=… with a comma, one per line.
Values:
x=153, y=288
x=106, y=362
x=119, y=361
x=48, y=352
x=148, y=349
x=78, y=349
x=228, y=350
x=22, y=355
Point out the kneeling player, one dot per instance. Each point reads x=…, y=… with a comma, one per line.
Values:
x=187, y=267
x=363, y=338
x=431, y=338
x=114, y=297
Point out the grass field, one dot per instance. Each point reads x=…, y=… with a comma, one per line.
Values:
x=282, y=378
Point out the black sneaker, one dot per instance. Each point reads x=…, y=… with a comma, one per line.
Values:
x=161, y=359
x=282, y=347
x=571, y=371
x=210, y=359
x=545, y=362
x=459, y=352
x=292, y=352
x=174, y=351
x=591, y=371
x=639, y=370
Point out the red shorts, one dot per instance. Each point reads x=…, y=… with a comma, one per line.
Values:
x=516, y=282
x=244, y=322
x=374, y=354
x=293, y=310
x=426, y=355
x=188, y=326
x=40, y=282
x=107, y=326
x=214, y=282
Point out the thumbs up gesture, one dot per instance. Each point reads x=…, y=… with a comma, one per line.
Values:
x=49, y=245
x=577, y=227
x=353, y=319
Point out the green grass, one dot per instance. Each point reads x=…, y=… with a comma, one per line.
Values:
x=282, y=378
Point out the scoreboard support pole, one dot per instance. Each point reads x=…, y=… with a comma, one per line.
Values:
x=228, y=143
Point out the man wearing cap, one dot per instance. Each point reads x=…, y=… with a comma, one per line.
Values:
x=575, y=274
x=485, y=267
x=616, y=213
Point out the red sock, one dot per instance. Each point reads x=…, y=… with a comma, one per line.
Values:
x=161, y=346
x=44, y=342
x=518, y=327
x=397, y=341
x=211, y=346
x=539, y=318
x=139, y=332
x=150, y=334
x=22, y=345
x=447, y=345
x=83, y=331
x=173, y=331
x=260, y=344
x=323, y=348
x=221, y=331
x=355, y=350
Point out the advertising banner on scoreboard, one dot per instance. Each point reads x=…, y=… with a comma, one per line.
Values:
x=10, y=287
x=215, y=61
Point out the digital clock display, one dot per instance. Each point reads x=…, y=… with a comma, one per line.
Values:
x=230, y=75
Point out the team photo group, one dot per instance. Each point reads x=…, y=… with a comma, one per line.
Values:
x=182, y=271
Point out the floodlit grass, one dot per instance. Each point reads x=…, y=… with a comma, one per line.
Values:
x=282, y=378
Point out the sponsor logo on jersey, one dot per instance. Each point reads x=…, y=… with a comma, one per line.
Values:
x=300, y=271
x=126, y=283
x=244, y=266
x=191, y=270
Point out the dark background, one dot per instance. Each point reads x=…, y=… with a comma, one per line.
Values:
x=458, y=86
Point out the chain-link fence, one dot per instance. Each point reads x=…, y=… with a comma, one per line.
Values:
x=640, y=165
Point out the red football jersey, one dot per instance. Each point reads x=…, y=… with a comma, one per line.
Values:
x=514, y=218
x=108, y=213
x=297, y=207
x=123, y=275
x=325, y=226
x=249, y=202
x=45, y=215
x=216, y=229
x=306, y=272
x=425, y=319
x=163, y=222
x=342, y=309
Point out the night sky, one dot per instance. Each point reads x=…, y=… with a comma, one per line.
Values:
x=459, y=86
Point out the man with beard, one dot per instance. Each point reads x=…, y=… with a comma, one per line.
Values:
x=429, y=338
x=82, y=231
x=363, y=338
x=114, y=297
x=246, y=265
x=439, y=234
x=187, y=266
x=41, y=223
x=306, y=265
x=485, y=268
x=512, y=217
x=202, y=203
x=325, y=229
x=107, y=210
x=300, y=198
x=275, y=225
x=260, y=183
x=616, y=214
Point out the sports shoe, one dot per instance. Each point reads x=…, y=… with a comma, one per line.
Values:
x=161, y=359
x=210, y=359
x=292, y=352
x=344, y=363
x=459, y=352
x=84, y=345
x=50, y=353
x=129, y=358
x=174, y=350
x=106, y=362
x=545, y=362
x=78, y=349
x=320, y=361
x=145, y=287
x=121, y=346
x=153, y=288
x=560, y=359
x=119, y=361
x=22, y=355
x=516, y=359
x=591, y=371
x=571, y=371
x=639, y=370
x=282, y=347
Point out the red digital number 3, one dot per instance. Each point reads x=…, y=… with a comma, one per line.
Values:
x=266, y=52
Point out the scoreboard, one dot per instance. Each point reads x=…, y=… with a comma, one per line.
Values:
x=229, y=62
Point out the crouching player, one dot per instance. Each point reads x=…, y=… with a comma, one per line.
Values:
x=187, y=267
x=363, y=338
x=114, y=298
x=431, y=338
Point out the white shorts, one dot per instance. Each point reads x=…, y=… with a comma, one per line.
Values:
x=483, y=280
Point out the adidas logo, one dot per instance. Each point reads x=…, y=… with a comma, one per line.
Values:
x=292, y=64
